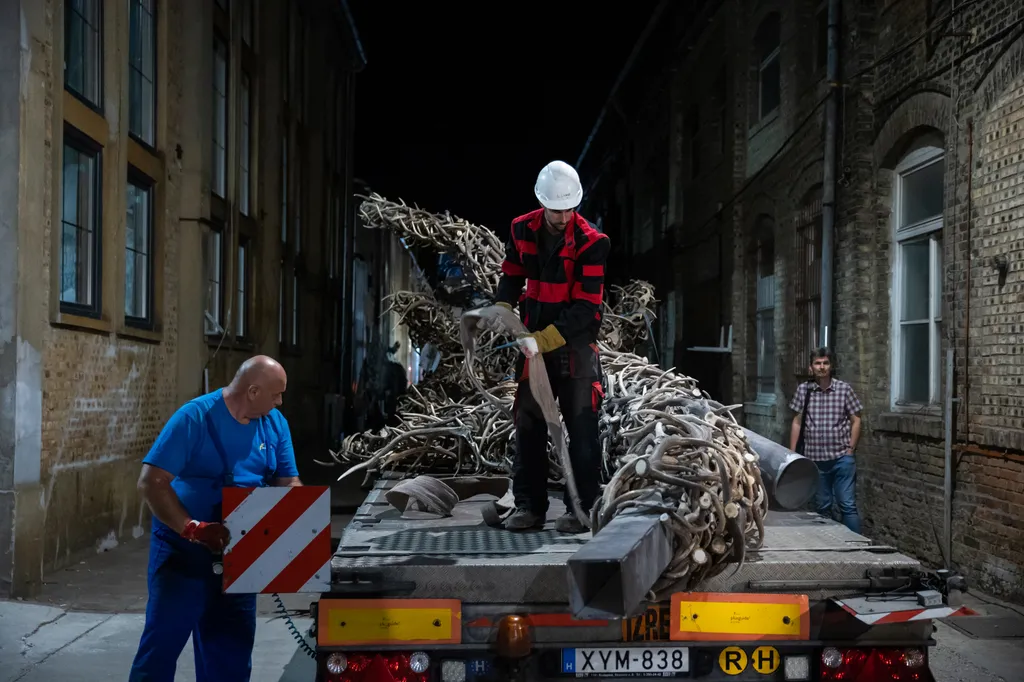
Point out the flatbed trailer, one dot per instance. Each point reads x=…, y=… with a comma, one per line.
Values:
x=465, y=601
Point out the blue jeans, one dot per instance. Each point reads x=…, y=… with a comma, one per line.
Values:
x=838, y=476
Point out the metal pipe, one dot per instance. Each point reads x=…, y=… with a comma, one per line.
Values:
x=828, y=200
x=791, y=479
x=947, y=497
x=610, y=577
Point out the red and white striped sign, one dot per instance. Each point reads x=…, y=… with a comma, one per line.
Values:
x=280, y=540
x=907, y=615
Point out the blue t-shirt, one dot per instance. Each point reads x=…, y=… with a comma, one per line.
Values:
x=255, y=454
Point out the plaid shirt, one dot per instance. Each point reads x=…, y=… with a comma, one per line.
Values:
x=827, y=426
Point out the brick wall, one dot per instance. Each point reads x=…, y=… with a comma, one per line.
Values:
x=961, y=87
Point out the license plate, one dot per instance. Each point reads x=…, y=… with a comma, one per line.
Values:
x=648, y=661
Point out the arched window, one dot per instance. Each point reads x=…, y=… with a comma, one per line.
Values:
x=769, y=87
x=918, y=201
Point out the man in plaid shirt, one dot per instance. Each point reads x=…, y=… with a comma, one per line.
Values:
x=828, y=412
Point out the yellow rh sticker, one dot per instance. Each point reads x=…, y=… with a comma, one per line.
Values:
x=732, y=660
x=389, y=621
x=765, y=659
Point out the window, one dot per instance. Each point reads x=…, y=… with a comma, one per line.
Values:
x=214, y=257
x=765, y=310
x=244, y=161
x=142, y=71
x=918, y=201
x=80, y=228
x=138, y=258
x=769, y=74
x=220, y=117
x=808, y=279
x=83, y=50
x=284, y=188
x=242, y=290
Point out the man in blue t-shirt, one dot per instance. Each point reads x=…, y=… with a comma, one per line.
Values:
x=233, y=436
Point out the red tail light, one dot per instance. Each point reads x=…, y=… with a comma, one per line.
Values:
x=382, y=667
x=868, y=665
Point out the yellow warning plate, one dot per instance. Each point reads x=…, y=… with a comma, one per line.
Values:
x=722, y=616
x=359, y=622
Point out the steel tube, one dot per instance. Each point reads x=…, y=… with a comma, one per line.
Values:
x=791, y=479
x=947, y=487
x=610, y=576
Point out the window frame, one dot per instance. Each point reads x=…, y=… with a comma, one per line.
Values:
x=221, y=194
x=765, y=300
x=148, y=321
x=96, y=106
x=148, y=144
x=809, y=227
x=244, y=282
x=83, y=144
x=220, y=230
x=931, y=229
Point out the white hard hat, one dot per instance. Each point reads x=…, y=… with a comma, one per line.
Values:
x=558, y=187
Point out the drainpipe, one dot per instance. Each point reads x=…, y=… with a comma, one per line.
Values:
x=826, y=335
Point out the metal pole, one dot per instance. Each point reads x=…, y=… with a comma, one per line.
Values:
x=947, y=508
x=828, y=199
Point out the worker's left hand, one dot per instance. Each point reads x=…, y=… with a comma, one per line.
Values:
x=546, y=340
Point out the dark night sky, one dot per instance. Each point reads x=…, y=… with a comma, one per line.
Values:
x=461, y=104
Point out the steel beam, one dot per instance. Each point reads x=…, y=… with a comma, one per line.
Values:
x=610, y=576
x=791, y=479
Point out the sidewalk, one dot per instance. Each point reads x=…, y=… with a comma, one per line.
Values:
x=86, y=625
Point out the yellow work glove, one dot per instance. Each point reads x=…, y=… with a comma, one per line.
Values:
x=546, y=340
x=506, y=306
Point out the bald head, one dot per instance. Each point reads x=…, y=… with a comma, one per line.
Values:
x=259, y=385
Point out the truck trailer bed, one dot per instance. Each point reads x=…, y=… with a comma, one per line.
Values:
x=460, y=556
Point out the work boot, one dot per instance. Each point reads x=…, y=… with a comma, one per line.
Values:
x=568, y=523
x=524, y=519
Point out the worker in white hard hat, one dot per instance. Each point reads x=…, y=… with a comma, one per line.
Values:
x=560, y=259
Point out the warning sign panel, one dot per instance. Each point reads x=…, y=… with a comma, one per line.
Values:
x=765, y=659
x=732, y=660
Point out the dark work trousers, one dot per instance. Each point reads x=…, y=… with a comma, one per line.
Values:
x=579, y=401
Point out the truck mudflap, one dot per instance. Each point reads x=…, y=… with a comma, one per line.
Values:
x=744, y=637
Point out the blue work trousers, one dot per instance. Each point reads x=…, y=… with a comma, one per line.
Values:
x=836, y=478
x=186, y=598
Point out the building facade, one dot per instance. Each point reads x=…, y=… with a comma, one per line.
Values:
x=175, y=196
x=715, y=177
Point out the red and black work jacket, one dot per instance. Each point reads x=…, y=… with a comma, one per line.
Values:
x=565, y=289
